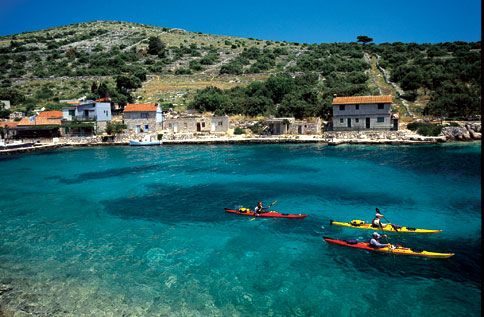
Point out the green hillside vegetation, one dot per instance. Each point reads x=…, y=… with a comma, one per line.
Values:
x=133, y=62
x=448, y=73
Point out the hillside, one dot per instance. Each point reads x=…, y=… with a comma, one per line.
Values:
x=131, y=62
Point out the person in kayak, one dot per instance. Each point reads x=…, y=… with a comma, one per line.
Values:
x=375, y=240
x=259, y=208
x=376, y=222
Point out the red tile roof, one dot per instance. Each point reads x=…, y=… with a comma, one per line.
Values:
x=8, y=124
x=38, y=121
x=362, y=100
x=140, y=107
x=53, y=114
x=104, y=99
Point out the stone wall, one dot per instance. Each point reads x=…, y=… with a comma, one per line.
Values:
x=101, y=126
x=151, y=122
x=305, y=127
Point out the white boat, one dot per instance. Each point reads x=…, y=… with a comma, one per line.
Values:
x=147, y=140
x=14, y=145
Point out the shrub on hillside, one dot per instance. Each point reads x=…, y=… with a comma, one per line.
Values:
x=424, y=128
x=239, y=130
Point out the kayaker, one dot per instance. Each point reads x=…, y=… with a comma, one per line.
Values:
x=376, y=222
x=375, y=240
x=259, y=208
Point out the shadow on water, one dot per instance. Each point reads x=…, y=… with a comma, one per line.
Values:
x=169, y=204
x=192, y=167
x=112, y=172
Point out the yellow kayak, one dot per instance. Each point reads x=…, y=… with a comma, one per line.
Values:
x=360, y=224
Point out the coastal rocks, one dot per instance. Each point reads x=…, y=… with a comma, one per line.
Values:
x=468, y=132
x=380, y=137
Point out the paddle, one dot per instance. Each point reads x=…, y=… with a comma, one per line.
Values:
x=273, y=203
x=391, y=247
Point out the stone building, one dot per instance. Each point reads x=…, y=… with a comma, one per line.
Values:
x=196, y=124
x=142, y=118
x=279, y=126
x=363, y=113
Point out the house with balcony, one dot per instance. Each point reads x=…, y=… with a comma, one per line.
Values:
x=88, y=111
x=98, y=114
x=360, y=113
x=143, y=118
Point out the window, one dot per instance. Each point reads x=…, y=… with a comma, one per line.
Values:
x=380, y=119
x=170, y=125
x=341, y=120
x=357, y=120
x=144, y=115
x=357, y=107
x=342, y=107
x=381, y=106
x=203, y=124
x=220, y=123
x=146, y=127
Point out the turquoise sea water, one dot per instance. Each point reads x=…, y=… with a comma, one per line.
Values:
x=142, y=231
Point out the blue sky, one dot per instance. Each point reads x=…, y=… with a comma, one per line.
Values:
x=423, y=21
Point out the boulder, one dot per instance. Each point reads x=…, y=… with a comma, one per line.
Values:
x=456, y=133
x=475, y=135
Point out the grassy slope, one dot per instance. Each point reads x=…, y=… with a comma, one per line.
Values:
x=130, y=35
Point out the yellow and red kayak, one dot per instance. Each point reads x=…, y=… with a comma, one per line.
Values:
x=360, y=224
x=268, y=214
x=397, y=250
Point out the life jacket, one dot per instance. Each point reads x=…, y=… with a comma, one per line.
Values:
x=376, y=222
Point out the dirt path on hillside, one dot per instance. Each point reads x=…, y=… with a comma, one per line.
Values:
x=381, y=78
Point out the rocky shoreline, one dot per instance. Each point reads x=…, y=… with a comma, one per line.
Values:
x=455, y=133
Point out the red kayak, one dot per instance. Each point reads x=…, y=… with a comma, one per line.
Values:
x=394, y=249
x=269, y=214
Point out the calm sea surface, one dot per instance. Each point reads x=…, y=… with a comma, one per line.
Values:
x=142, y=231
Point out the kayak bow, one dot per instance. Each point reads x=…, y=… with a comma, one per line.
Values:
x=269, y=214
x=398, y=250
x=360, y=224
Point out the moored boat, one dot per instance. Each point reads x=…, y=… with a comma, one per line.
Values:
x=146, y=141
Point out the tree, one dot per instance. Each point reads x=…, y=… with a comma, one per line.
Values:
x=4, y=113
x=210, y=99
x=103, y=90
x=94, y=87
x=113, y=128
x=156, y=47
x=126, y=83
x=364, y=39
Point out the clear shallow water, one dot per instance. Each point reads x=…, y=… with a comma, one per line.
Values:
x=141, y=231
